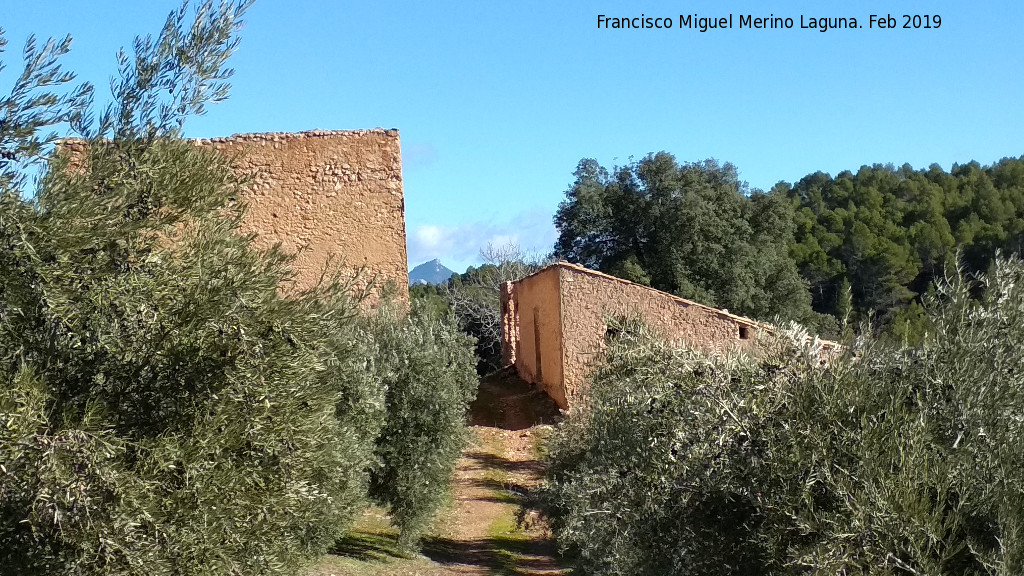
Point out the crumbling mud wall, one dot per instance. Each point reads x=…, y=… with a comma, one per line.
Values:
x=556, y=324
x=327, y=195
x=590, y=298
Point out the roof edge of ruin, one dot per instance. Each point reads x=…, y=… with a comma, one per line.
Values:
x=307, y=134
x=275, y=136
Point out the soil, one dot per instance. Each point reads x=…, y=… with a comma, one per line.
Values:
x=478, y=534
x=506, y=402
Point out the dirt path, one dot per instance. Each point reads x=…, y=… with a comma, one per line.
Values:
x=478, y=534
x=482, y=537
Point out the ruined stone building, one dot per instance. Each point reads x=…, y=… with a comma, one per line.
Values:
x=325, y=196
x=554, y=324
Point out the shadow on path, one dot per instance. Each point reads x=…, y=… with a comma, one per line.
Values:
x=504, y=401
x=511, y=556
x=497, y=555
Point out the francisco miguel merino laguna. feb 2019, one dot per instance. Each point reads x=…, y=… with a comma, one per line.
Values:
x=744, y=21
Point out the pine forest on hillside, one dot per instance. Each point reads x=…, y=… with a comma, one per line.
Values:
x=826, y=251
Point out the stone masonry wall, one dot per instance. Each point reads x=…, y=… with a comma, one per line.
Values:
x=327, y=194
x=563, y=310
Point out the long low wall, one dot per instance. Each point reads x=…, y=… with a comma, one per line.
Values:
x=555, y=324
x=589, y=298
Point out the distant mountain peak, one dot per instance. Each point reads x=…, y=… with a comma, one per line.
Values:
x=432, y=272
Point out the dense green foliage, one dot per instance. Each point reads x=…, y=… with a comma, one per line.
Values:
x=165, y=407
x=428, y=369
x=887, y=461
x=429, y=299
x=164, y=410
x=880, y=237
x=693, y=230
x=474, y=301
x=474, y=298
x=867, y=245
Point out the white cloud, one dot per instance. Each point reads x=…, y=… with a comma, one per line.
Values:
x=432, y=237
x=458, y=246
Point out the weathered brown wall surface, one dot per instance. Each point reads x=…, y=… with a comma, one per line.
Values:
x=589, y=298
x=327, y=194
x=324, y=195
x=555, y=324
x=538, y=351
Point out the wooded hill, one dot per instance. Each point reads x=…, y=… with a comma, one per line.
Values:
x=826, y=251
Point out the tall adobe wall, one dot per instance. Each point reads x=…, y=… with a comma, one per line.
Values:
x=326, y=194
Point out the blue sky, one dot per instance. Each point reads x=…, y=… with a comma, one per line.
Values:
x=498, y=101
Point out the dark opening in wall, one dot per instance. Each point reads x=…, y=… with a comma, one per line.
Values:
x=536, y=343
x=744, y=332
